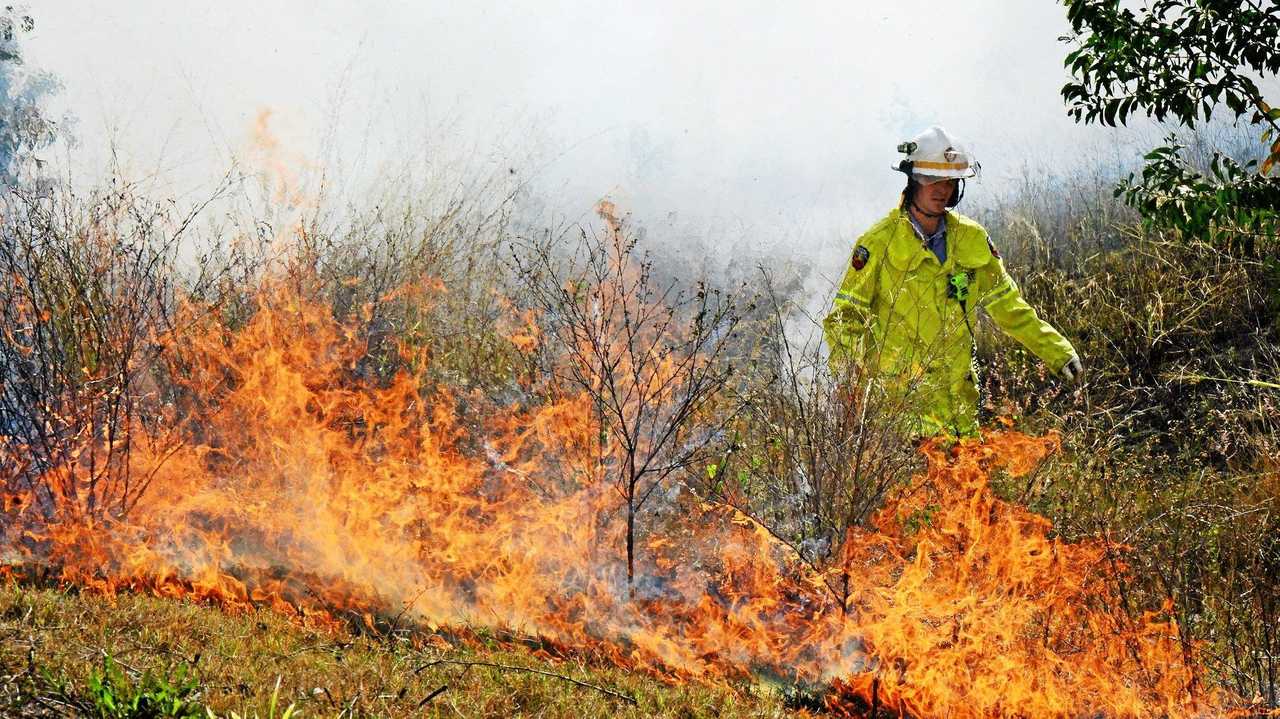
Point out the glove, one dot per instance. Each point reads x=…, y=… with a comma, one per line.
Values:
x=1073, y=370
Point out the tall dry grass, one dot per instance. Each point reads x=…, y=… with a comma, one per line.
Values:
x=1173, y=446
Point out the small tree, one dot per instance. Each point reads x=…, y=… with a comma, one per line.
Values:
x=652, y=357
x=1182, y=60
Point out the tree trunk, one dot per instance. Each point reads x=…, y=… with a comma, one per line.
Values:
x=632, y=482
x=631, y=547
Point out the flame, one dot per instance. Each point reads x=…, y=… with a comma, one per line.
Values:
x=281, y=168
x=286, y=471
x=975, y=596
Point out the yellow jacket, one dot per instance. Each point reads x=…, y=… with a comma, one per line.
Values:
x=898, y=315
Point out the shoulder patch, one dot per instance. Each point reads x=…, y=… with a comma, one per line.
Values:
x=994, y=251
x=860, y=256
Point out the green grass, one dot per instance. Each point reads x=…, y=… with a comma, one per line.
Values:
x=54, y=645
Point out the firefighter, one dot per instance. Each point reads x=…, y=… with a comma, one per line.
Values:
x=907, y=306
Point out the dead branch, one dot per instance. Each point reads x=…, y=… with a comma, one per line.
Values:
x=509, y=667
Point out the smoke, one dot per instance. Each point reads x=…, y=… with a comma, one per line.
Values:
x=734, y=134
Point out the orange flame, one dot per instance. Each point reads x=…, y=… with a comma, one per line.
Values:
x=306, y=482
x=281, y=168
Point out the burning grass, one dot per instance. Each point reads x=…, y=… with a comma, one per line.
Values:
x=276, y=453
x=287, y=477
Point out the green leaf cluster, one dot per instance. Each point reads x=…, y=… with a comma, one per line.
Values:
x=1176, y=59
x=1231, y=202
x=1181, y=61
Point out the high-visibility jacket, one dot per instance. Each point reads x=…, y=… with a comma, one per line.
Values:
x=899, y=315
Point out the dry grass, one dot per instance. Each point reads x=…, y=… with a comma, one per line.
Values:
x=237, y=659
x=1171, y=449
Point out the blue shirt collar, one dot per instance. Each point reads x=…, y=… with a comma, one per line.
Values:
x=935, y=243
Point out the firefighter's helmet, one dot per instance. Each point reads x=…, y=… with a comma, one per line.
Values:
x=934, y=155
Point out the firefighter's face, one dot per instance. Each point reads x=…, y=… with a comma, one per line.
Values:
x=932, y=198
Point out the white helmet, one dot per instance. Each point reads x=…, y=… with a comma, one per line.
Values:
x=934, y=155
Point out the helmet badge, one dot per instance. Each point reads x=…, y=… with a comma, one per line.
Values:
x=951, y=154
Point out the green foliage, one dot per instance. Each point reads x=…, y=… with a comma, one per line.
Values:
x=114, y=696
x=25, y=128
x=920, y=518
x=1232, y=200
x=1176, y=59
x=1181, y=60
x=13, y=23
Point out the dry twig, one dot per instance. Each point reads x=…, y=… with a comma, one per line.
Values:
x=508, y=667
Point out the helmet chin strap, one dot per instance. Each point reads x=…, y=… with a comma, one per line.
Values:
x=922, y=211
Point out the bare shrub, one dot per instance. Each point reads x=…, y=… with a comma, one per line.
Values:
x=419, y=266
x=89, y=289
x=813, y=452
x=650, y=354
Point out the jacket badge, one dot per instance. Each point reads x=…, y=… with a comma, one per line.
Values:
x=860, y=257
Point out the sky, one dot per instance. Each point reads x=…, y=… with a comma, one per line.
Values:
x=773, y=122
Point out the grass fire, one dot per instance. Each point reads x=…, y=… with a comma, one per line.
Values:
x=443, y=450
x=287, y=463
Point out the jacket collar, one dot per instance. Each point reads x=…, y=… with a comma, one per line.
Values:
x=906, y=252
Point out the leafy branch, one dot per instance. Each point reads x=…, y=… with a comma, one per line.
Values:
x=1181, y=61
